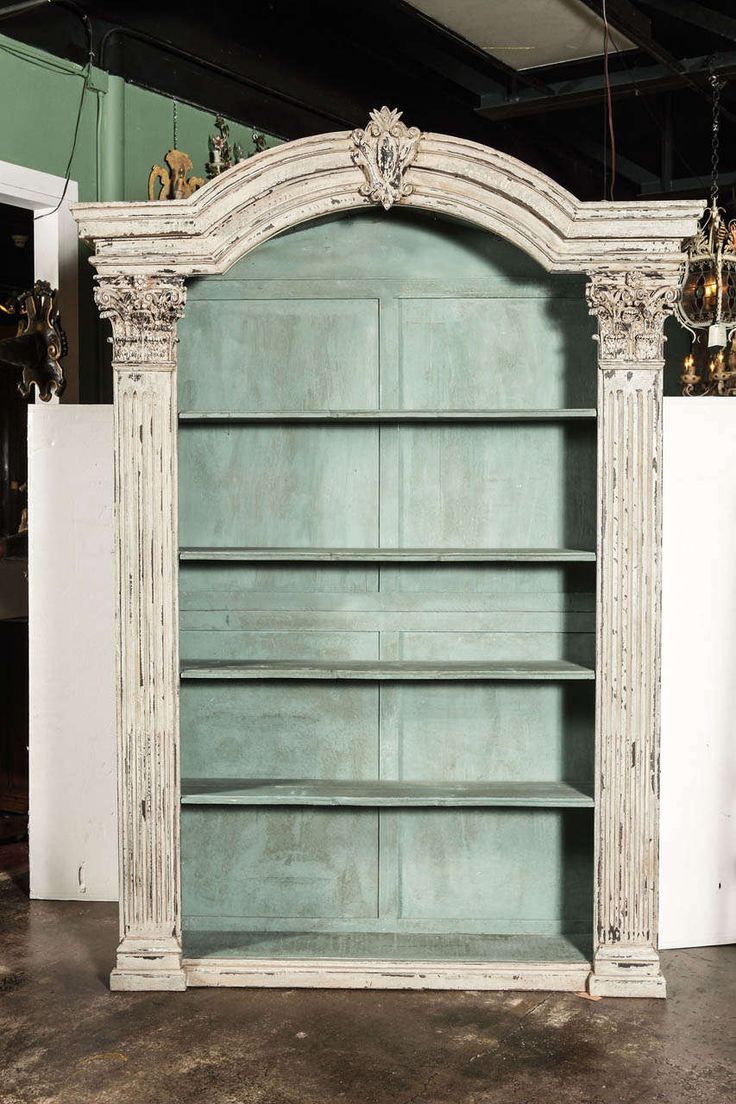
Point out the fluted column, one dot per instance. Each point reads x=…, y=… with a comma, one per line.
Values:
x=143, y=311
x=631, y=309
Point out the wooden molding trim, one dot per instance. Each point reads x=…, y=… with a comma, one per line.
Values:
x=375, y=974
x=290, y=184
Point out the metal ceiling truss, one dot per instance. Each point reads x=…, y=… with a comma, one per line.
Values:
x=578, y=92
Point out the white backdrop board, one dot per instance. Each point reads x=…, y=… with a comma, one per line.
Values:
x=698, y=825
x=73, y=834
x=72, y=824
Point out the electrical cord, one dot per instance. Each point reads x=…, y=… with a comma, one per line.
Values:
x=68, y=171
x=642, y=94
x=80, y=13
x=609, y=98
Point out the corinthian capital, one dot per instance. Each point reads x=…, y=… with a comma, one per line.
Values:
x=631, y=308
x=143, y=312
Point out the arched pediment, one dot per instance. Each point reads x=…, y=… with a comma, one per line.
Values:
x=385, y=164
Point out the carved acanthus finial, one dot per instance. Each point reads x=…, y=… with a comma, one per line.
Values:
x=143, y=312
x=383, y=151
x=631, y=308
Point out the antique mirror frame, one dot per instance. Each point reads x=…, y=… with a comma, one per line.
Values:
x=631, y=252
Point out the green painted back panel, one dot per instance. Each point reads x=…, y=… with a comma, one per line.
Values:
x=284, y=485
x=505, y=732
x=493, y=352
x=500, y=485
x=280, y=354
x=363, y=313
x=493, y=870
x=272, y=863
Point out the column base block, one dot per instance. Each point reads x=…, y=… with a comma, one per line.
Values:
x=627, y=971
x=148, y=964
x=627, y=987
x=142, y=981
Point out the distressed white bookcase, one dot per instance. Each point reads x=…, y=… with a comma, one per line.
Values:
x=144, y=253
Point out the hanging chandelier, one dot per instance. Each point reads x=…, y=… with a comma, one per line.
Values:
x=706, y=305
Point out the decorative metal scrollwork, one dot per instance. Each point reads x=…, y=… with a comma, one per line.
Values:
x=39, y=345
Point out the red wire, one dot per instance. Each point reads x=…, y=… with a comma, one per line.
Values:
x=609, y=99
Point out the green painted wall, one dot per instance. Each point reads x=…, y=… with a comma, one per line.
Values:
x=124, y=130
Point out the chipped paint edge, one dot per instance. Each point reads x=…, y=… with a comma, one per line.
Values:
x=378, y=974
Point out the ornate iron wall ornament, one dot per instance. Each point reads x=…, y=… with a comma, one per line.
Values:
x=174, y=182
x=383, y=151
x=39, y=345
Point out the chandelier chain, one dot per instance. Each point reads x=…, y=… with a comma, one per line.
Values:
x=175, y=122
x=716, y=126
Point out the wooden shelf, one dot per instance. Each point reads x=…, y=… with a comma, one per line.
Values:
x=397, y=946
x=396, y=671
x=385, y=794
x=204, y=417
x=387, y=555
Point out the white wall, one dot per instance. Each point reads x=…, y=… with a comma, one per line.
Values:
x=72, y=823
x=72, y=657
x=698, y=848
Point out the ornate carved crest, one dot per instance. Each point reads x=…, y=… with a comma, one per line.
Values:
x=631, y=308
x=143, y=311
x=383, y=151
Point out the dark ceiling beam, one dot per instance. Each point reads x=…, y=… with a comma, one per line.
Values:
x=713, y=22
x=586, y=90
x=691, y=185
x=114, y=36
x=623, y=17
x=626, y=19
x=319, y=55
x=396, y=36
x=625, y=167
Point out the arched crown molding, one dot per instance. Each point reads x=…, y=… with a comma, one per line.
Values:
x=385, y=163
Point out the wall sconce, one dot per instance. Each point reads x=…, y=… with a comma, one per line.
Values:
x=39, y=345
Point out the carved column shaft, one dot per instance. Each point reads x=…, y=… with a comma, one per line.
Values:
x=143, y=312
x=631, y=309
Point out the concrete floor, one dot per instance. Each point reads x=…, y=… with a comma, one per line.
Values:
x=65, y=1039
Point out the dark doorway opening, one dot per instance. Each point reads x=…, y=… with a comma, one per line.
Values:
x=16, y=276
